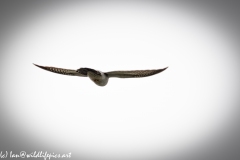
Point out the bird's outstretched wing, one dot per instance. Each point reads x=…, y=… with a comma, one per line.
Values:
x=135, y=73
x=63, y=71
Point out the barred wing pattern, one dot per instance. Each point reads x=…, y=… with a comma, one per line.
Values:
x=63, y=71
x=134, y=73
x=101, y=78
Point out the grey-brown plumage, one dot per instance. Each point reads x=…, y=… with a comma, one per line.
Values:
x=134, y=73
x=101, y=78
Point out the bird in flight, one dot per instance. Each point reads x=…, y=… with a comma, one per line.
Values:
x=101, y=78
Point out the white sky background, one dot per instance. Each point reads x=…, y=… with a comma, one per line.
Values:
x=174, y=110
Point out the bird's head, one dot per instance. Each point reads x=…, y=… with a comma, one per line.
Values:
x=82, y=71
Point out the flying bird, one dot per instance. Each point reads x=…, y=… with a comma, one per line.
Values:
x=101, y=78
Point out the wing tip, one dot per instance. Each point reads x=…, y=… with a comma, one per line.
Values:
x=40, y=66
x=35, y=64
x=164, y=68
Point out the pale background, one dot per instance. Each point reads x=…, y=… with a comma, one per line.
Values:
x=189, y=111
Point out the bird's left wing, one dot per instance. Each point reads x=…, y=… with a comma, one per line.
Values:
x=63, y=71
x=134, y=73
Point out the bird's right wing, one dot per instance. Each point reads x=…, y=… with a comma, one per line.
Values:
x=63, y=71
x=134, y=73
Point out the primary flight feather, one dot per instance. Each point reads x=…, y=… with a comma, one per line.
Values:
x=101, y=78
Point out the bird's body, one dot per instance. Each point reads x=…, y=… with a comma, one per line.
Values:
x=101, y=78
x=98, y=77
